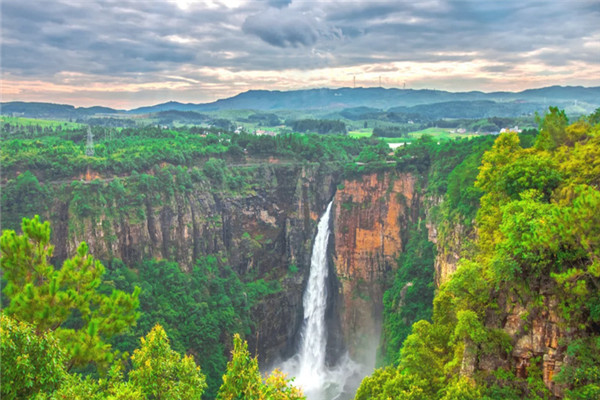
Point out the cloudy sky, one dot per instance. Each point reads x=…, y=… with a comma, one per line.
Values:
x=128, y=53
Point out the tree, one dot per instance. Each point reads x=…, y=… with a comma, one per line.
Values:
x=214, y=169
x=594, y=118
x=552, y=129
x=65, y=301
x=162, y=373
x=242, y=379
x=30, y=362
x=22, y=197
x=113, y=387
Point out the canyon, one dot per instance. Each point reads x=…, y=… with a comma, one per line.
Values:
x=264, y=232
x=267, y=231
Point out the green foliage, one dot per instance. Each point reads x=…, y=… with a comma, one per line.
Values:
x=158, y=373
x=410, y=298
x=161, y=373
x=552, y=129
x=58, y=154
x=30, y=362
x=112, y=387
x=392, y=131
x=462, y=389
x=66, y=300
x=539, y=235
x=531, y=171
x=374, y=153
x=390, y=383
x=214, y=170
x=583, y=375
x=594, y=118
x=197, y=309
x=23, y=196
x=322, y=126
x=242, y=380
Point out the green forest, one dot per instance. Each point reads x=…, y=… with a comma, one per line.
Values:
x=520, y=211
x=535, y=250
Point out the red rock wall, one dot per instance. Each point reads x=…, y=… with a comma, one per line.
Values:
x=371, y=217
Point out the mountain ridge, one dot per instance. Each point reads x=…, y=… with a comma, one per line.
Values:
x=324, y=98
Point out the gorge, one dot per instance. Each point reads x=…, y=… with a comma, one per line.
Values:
x=266, y=232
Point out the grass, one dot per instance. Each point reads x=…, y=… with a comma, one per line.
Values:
x=436, y=133
x=360, y=133
x=44, y=123
x=440, y=134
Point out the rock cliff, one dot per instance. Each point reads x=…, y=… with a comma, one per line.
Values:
x=370, y=227
x=538, y=335
x=263, y=230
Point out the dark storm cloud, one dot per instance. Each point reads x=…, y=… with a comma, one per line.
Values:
x=287, y=27
x=113, y=37
x=279, y=3
x=103, y=38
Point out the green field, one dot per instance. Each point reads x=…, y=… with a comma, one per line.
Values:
x=436, y=133
x=39, y=122
x=440, y=134
x=360, y=133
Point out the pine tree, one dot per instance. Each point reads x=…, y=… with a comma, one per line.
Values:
x=66, y=300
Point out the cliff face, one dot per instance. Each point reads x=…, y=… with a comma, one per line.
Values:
x=370, y=226
x=448, y=249
x=449, y=237
x=538, y=337
x=264, y=230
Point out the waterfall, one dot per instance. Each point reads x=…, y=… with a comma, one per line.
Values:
x=314, y=334
x=317, y=380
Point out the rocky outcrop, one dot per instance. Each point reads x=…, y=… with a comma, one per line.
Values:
x=449, y=248
x=538, y=337
x=450, y=238
x=371, y=219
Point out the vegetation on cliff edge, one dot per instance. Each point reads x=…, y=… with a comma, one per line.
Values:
x=537, y=250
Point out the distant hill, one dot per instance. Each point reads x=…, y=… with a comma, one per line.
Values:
x=355, y=101
x=51, y=110
x=169, y=106
x=265, y=100
x=472, y=109
x=380, y=98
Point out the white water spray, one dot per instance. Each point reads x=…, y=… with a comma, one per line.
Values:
x=318, y=381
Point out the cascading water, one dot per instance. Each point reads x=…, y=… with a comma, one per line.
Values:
x=314, y=336
x=319, y=381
